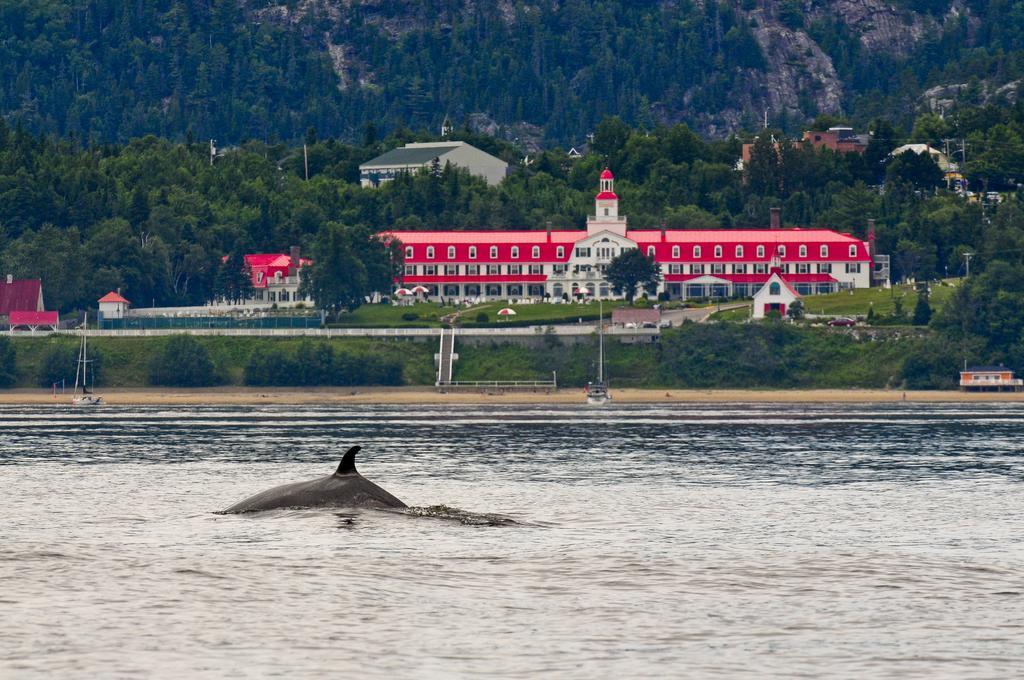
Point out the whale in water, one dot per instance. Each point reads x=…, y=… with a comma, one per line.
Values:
x=346, y=488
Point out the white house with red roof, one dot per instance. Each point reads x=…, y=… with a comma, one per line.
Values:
x=695, y=263
x=776, y=295
x=112, y=306
x=276, y=278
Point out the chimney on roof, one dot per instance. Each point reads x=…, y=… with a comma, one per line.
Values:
x=10, y=278
x=871, y=238
x=293, y=266
x=776, y=220
x=549, y=231
x=663, y=235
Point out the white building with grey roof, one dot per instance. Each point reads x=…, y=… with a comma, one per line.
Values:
x=412, y=157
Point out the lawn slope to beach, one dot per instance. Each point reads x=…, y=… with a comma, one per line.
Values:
x=693, y=356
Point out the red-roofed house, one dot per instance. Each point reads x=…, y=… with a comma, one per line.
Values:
x=776, y=295
x=695, y=263
x=20, y=295
x=112, y=306
x=275, y=278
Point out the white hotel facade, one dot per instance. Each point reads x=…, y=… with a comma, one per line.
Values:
x=694, y=263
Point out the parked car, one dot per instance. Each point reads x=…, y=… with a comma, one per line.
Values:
x=665, y=324
x=629, y=324
x=650, y=324
x=842, y=321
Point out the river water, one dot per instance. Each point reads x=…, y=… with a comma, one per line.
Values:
x=695, y=541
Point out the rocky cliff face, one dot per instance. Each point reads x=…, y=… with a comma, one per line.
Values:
x=798, y=78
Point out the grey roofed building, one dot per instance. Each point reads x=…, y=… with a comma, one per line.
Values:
x=412, y=157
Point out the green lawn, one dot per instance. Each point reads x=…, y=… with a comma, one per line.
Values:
x=429, y=314
x=858, y=301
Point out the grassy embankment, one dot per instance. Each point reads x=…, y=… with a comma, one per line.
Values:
x=125, y=362
x=860, y=301
x=692, y=356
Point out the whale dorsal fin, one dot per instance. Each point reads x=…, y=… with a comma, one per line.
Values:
x=348, y=462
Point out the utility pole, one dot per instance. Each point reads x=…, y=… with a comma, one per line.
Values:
x=967, y=259
x=213, y=151
x=305, y=160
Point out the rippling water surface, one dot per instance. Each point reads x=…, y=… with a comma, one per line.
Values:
x=700, y=541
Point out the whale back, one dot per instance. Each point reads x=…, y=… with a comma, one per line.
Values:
x=346, y=488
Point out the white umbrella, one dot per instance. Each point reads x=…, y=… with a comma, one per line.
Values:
x=507, y=311
x=420, y=289
x=403, y=291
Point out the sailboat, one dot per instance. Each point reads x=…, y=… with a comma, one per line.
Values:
x=597, y=392
x=82, y=373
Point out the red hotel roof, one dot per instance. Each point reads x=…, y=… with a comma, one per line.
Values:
x=21, y=295
x=837, y=245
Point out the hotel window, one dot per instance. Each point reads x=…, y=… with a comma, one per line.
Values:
x=696, y=252
x=853, y=267
x=696, y=269
x=560, y=252
x=536, y=269
x=739, y=269
x=825, y=268
x=650, y=251
x=451, y=252
x=853, y=251
x=515, y=269
x=739, y=252
x=410, y=270
x=781, y=250
x=760, y=251
x=760, y=268
x=675, y=269
x=718, y=251
x=774, y=289
x=583, y=252
x=718, y=268
x=494, y=252
x=451, y=269
x=824, y=251
x=472, y=270
x=408, y=252
x=535, y=253
x=472, y=252
x=803, y=268
x=515, y=252
x=559, y=268
x=803, y=251
x=493, y=269
x=675, y=252
x=430, y=252
x=430, y=270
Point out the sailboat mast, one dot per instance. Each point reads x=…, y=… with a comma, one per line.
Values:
x=600, y=341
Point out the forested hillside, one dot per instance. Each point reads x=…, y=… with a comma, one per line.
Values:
x=540, y=72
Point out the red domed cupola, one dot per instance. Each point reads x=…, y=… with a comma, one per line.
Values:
x=607, y=186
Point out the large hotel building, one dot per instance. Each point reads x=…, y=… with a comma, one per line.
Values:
x=694, y=263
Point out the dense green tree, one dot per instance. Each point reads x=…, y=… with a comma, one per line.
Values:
x=8, y=363
x=632, y=269
x=183, y=362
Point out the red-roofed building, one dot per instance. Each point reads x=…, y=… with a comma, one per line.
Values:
x=276, y=278
x=112, y=306
x=20, y=295
x=695, y=263
x=34, y=320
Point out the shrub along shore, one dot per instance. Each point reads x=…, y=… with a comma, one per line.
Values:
x=695, y=356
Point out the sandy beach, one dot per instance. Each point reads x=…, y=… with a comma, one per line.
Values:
x=426, y=395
